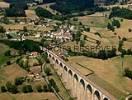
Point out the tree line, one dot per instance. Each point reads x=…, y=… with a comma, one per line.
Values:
x=101, y=54
x=19, y=86
x=24, y=46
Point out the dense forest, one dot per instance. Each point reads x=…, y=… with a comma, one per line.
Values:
x=16, y=9
x=121, y=12
x=71, y=6
x=43, y=13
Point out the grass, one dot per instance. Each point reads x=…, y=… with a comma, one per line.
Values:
x=28, y=96
x=9, y=73
x=94, y=21
x=108, y=73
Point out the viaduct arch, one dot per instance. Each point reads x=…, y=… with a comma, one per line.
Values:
x=81, y=88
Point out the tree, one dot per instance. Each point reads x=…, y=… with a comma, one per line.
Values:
x=77, y=36
x=129, y=30
x=8, y=62
x=45, y=56
x=5, y=20
x=52, y=83
x=47, y=71
x=87, y=29
x=8, y=53
x=110, y=27
x=122, y=63
x=27, y=89
x=128, y=73
x=11, y=88
x=39, y=88
x=41, y=12
x=45, y=88
x=120, y=45
x=44, y=42
x=25, y=29
x=19, y=80
x=75, y=19
x=3, y=89
x=2, y=29
x=116, y=23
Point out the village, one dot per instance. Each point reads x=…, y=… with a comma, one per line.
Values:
x=50, y=56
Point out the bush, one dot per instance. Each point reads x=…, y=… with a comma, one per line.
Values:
x=47, y=71
x=39, y=88
x=3, y=89
x=27, y=89
x=8, y=53
x=52, y=83
x=124, y=39
x=87, y=29
x=2, y=29
x=11, y=88
x=45, y=88
x=116, y=23
x=19, y=80
x=97, y=33
x=8, y=63
x=110, y=27
x=128, y=73
x=49, y=88
x=129, y=30
x=75, y=19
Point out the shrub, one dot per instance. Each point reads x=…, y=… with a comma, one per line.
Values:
x=3, y=89
x=2, y=29
x=124, y=39
x=27, y=89
x=39, y=88
x=75, y=19
x=45, y=88
x=49, y=88
x=11, y=88
x=19, y=80
x=129, y=30
x=41, y=12
x=47, y=71
x=110, y=27
x=8, y=63
x=128, y=73
x=116, y=23
x=52, y=83
x=97, y=33
x=87, y=29
x=8, y=53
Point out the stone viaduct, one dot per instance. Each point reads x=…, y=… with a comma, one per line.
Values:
x=81, y=87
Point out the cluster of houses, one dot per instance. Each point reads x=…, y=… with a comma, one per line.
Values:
x=64, y=33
